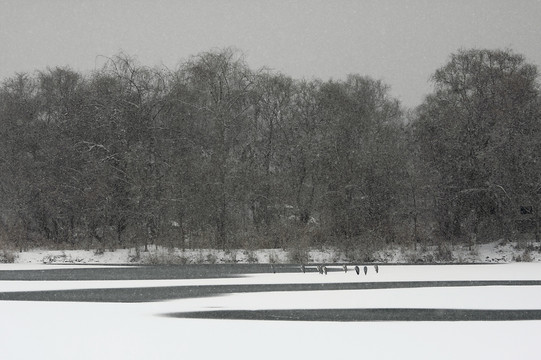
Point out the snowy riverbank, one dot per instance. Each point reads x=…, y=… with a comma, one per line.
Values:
x=495, y=252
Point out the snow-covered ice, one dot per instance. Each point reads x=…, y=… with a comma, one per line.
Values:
x=389, y=273
x=67, y=330
x=132, y=331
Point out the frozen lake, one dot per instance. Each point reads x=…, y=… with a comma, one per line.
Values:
x=445, y=312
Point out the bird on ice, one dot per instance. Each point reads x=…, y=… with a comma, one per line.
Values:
x=345, y=267
x=377, y=268
x=324, y=270
x=357, y=270
x=303, y=269
x=365, y=270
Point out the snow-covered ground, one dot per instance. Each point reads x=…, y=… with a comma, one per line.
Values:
x=495, y=252
x=65, y=330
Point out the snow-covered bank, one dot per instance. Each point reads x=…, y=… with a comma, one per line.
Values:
x=495, y=252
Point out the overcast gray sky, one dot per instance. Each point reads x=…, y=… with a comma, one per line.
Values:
x=400, y=42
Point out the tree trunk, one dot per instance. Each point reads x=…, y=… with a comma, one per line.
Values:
x=536, y=219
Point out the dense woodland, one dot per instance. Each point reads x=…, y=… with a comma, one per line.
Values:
x=216, y=154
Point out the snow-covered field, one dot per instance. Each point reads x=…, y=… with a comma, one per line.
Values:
x=67, y=330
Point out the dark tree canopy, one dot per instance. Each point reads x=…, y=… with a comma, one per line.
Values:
x=480, y=132
x=216, y=154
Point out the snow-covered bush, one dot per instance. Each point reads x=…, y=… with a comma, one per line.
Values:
x=273, y=258
x=298, y=255
x=443, y=253
x=526, y=256
x=231, y=256
x=251, y=257
x=7, y=256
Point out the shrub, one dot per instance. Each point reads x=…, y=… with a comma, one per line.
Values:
x=364, y=247
x=153, y=259
x=7, y=257
x=416, y=257
x=443, y=253
x=211, y=259
x=298, y=255
x=165, y=259
x=360, y=254
x=526, y=257
x=136, y=257
x=273, y=259
x=231, y=256
x=251, y=256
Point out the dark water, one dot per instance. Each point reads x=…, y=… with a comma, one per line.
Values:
x=348, y=315
x=148, y=294
x=192, y=271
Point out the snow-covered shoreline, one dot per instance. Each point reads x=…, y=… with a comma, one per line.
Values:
x=495, y=252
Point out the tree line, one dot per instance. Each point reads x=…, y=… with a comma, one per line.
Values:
x=216, y=154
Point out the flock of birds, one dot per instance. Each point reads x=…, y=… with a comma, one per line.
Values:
x=322, y=269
